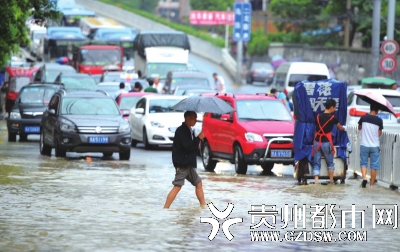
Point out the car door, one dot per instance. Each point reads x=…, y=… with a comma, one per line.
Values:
x=49, y=122
x=213, y=127
x=136, y=120
x=226, y=133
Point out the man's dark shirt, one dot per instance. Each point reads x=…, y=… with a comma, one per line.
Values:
x=184, y=148
x=323, y=118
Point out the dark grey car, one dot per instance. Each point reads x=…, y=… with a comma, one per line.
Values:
x=84, y=121
x=26, y=114
x=48, y=72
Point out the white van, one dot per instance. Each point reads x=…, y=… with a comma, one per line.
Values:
x=35, y=34
x=289, y=74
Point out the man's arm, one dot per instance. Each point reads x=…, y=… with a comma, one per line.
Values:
x=340, y=127
x=359, y=127
x=379, y=132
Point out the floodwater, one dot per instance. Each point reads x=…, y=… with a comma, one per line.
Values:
x=91, y=204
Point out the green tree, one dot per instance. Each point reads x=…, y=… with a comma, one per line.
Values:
x=212, y=5
x=13, y=22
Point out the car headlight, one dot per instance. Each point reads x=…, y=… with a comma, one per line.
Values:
x=252, y=137
x=123, y=128
x=156, y=124
x=67, y=126
x=15, y=115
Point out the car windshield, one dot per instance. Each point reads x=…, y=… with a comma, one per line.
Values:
x=79, y=82
x=101, y=57
x=262, y=110
x=112, y=77
x=199, y=82
x=16, y=83
x=89, y=106
x=296, y=78
x=161, y=69
x=163, y=106
x=37, y=95
x=128, y=102
x=394, y=100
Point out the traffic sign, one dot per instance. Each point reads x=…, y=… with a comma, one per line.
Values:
x=389, y=47
x=242, y=23
x=388, y=64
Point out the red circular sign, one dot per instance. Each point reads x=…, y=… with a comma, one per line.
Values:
x=389, y=47
x=388, y=64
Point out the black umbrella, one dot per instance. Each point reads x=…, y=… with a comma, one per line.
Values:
x=204, y=104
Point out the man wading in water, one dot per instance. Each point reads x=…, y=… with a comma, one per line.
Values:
x=184, y=151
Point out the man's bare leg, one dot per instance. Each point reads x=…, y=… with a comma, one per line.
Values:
x=331, y=175
x=171, y=196
x=200, y=194
x=316, y=179
x=373, y=177
x=364, y=172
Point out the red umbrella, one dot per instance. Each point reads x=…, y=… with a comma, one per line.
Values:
x=375, y=97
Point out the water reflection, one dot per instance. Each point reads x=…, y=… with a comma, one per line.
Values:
x=73, y=204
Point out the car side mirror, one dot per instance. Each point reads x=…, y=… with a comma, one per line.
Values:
x=52, y=111
x=226, y=117
x=139, y=111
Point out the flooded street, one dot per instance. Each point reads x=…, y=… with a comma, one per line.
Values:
x=87, y=203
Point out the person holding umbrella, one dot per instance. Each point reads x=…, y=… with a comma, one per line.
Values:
x=184, y=151
x=371, y=127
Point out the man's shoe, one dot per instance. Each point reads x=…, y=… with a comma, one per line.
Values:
x=364, y=184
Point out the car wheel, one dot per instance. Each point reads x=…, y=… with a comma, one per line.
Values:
x=147, y=146
x=133, y=143
x=23, y=137
x=58, y=151
x=12, y=137
x=44, y=148
x=125, y=155
x=267, y=167
x=240, y=164
x=206, y=155
x=107, y=154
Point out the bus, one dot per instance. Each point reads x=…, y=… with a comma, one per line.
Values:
x=120, y=37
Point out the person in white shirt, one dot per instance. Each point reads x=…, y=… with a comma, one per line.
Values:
x=158, y=85
x=120, y=90
x=219, y=83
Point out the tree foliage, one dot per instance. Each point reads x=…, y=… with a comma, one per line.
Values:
x=13, y=30
x=212, y=5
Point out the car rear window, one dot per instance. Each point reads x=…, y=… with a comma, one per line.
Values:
x=86, y=83
x=162, y=106
x=296, y=78
x=199, y=82
x=262, y=110
x=128, y=102
x=89, y=106
x=394, y=100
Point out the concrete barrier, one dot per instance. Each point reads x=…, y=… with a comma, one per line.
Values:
x=389, y=172
x=199, y=47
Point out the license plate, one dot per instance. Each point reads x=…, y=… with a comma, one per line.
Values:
x=281, y=153
x=32, y=129
x=383, y=115
x=98, y=140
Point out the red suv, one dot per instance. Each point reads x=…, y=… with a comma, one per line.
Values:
x=259, y=132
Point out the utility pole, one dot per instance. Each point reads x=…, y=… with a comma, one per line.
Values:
x=376, y=30
x=390, y=20
x=228, y=10
x=265, y=15
x=347, y=24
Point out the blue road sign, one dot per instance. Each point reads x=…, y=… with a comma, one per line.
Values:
x=242, y=21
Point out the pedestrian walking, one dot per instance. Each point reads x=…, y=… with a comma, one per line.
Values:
x=282, y=96
x=150, y=88
x=137, y=88
x=120, y=90
x=184, y=150
x=360, y=74
x=158, y=85
x=219, y=83
x=371, y=127
x=323, y=143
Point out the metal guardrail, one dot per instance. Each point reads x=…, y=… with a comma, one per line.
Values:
x=389, y=171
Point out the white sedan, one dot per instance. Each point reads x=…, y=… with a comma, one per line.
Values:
x=357, y=108
x=153, y=122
